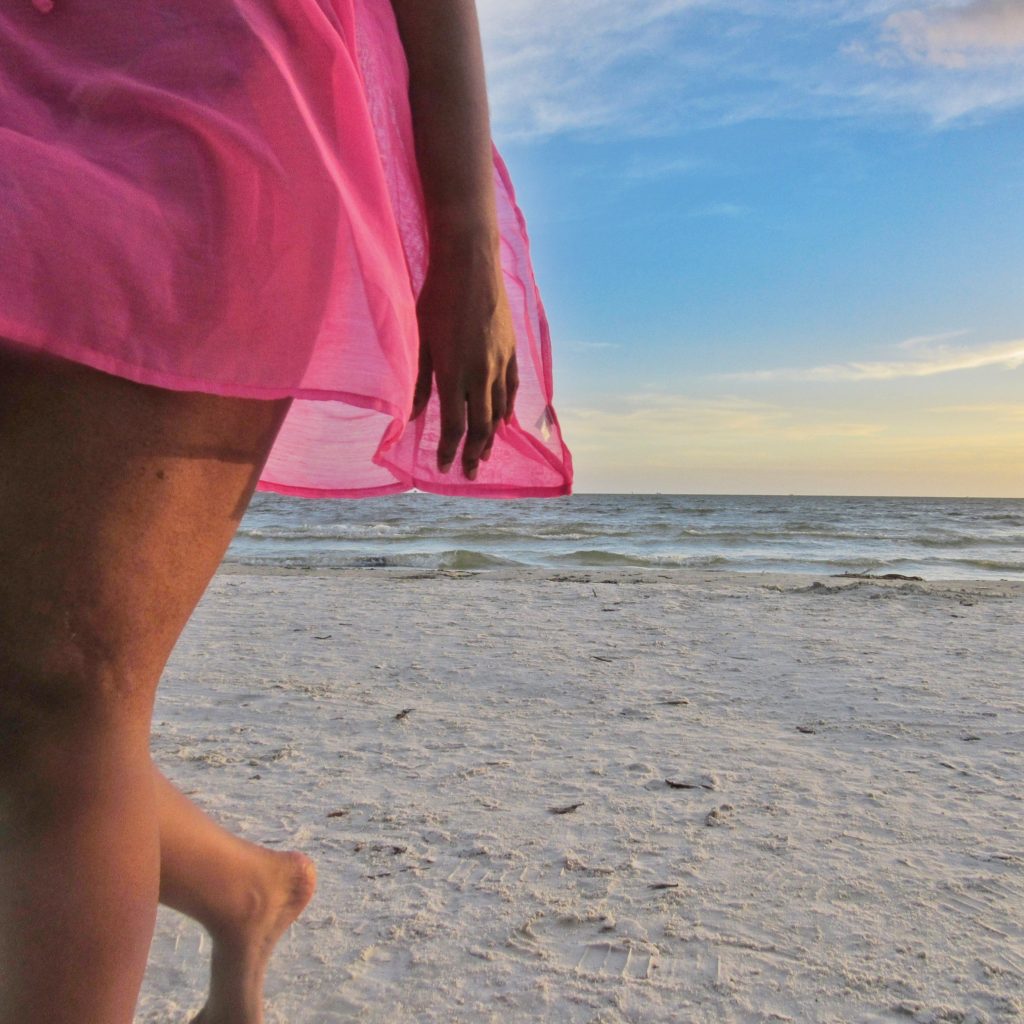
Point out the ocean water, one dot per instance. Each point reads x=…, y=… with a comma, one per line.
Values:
x=936, y=538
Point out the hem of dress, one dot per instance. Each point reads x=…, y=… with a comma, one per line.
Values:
x=85, y=356
x=400, y=487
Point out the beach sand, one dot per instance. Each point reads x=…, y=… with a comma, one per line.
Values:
x=604, y=797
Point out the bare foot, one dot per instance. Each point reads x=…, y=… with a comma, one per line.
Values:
x=280, y=886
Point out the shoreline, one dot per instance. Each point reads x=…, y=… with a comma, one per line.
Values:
x=638, y=574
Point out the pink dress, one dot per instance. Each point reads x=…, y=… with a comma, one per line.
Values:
x=222, y=196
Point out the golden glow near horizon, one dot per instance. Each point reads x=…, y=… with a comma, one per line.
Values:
x=938, y=438
x=708, y=447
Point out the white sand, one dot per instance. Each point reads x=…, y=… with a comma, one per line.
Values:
x=852, y=849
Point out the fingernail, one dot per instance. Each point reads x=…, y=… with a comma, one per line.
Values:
x=471, y=473
x=444, y=467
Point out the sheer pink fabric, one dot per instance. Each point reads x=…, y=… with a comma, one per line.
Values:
x=222, y=196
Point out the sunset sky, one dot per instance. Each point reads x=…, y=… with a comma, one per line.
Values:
x=780, y=242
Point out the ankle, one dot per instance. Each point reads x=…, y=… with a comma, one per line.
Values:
x=270, y=882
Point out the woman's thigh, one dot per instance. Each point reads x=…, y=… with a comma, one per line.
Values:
x=117, y=503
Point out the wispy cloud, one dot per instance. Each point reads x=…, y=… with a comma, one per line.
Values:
x=665, y=421
x=563, y=66
x=948, y=62
x=982, y=32
x=651, y=66
x=654, y=169
x=922, y=340
x=1008, y=354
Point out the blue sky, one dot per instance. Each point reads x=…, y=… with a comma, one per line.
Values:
x=781, y=244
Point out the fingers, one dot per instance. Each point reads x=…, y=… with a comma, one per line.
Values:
x=478, y=432
x=470, y=416
x=421, y=395
x=511, y=388
x=453, y=426
x=498, y=400
x=476, y=416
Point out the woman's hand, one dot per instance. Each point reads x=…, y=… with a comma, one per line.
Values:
x=466, y=338
x=467, y=342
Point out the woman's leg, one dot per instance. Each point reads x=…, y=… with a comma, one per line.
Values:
x=243, y=895
x=117, y=502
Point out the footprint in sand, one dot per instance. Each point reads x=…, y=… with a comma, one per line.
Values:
x=718, y=816
x=597, y=947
